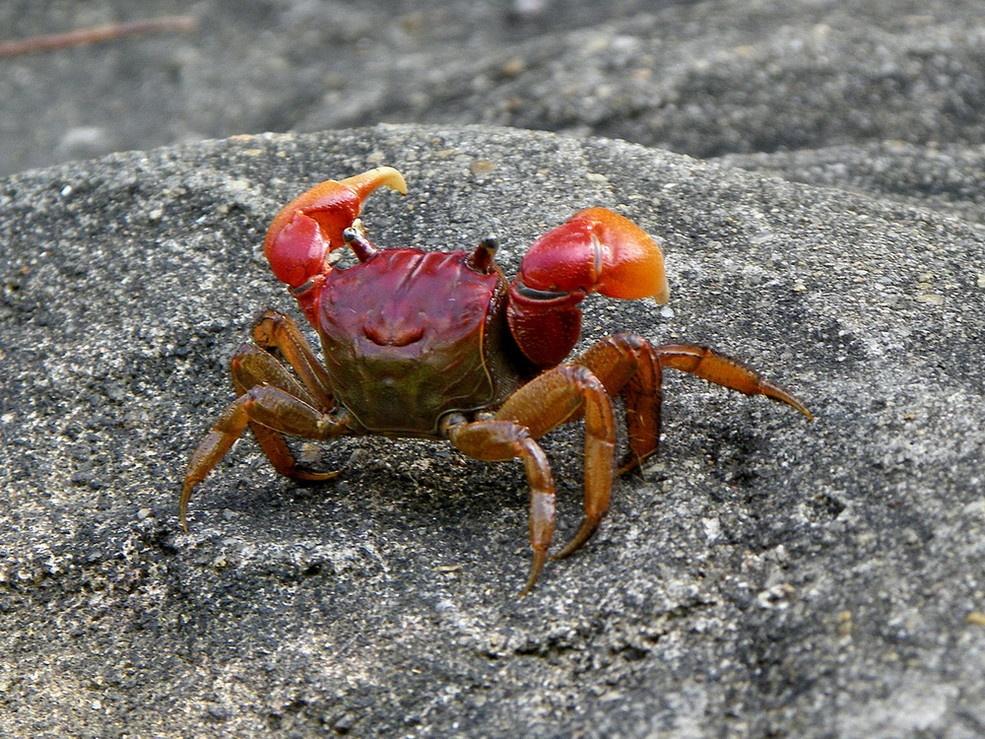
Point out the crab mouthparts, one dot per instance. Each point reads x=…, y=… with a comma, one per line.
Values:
x=393, y=335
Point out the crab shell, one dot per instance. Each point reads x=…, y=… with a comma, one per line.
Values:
x=412, y=333
x=441, y=345
x=434, y=344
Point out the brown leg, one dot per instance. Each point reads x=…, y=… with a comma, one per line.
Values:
x=274, y=409
x=274, y=330
x=630, y=366
x=710, y=365
x=566, y=393
x=251, y=367
x=562, y=394
x=496, y=440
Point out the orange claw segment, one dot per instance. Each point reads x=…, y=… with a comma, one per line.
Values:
x=632, y=263
x=312, y=224
x=597, y=250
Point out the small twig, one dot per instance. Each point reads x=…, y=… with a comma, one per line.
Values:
x=98, y=34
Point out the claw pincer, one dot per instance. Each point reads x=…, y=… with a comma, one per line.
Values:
x=438, y=345
x=312, y=225
x=596, y=250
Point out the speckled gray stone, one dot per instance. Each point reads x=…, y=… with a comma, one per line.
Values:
x=704, y=78
x=946, y=177
x=721, y=76
x=766, y=577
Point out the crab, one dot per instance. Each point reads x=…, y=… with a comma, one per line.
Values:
x=440, y=345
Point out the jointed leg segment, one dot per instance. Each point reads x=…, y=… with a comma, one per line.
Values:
x=631, y=367
x=623, y=365
x=274, y=330
x=272, y=403
x=495, y=440
x=565, y=393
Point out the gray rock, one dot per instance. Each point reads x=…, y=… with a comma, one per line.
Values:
x=703, y=78
x=724, y=76
x=946, y=177
x=767, y=576
x=266, y=65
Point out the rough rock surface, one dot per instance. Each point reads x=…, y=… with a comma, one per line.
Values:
x=766, y=577
x=266, y=65
x=724, y=76
x=703, y=78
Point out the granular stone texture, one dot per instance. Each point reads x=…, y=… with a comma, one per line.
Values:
x=765, y=576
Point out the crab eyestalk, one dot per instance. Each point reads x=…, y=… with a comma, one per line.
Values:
x=596, y=250
x=357, y=241
x=483, y=259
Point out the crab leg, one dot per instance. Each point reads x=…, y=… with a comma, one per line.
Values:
x=274, y=330
x=555, y=397
x=612, y=357
x=494, y=440
x=627, y=366
x=270, y=410
x=630, y=366
x=722, y=370
x=252, y=367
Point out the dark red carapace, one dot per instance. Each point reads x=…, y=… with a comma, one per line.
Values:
x=440, y=345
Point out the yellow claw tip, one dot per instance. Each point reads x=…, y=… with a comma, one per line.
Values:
x=366, y=182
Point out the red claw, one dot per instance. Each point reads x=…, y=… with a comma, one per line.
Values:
x=311, y=225
x=597, y=250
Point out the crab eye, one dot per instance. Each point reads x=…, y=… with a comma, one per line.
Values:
x=484, y=256
x=357, y=241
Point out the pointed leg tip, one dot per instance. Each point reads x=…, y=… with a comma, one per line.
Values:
x=631, y=465
x=536, y=567
x=584, y=533
x=778, y=393
x=799, y=407
x=568, y=549
x=186, y=494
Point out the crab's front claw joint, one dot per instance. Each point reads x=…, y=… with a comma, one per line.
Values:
x=310, y=226
x=597, y=250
